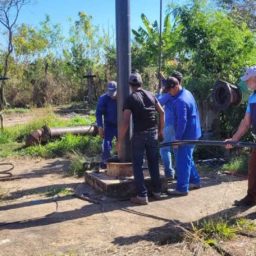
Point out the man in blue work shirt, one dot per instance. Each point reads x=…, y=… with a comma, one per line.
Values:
x=166, y=100
x=106, y=118
x=187, y=127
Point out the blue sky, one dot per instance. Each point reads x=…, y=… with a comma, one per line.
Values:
x=102, y=11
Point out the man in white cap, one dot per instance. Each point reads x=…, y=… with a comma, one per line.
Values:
x=249, y=121
x=106, y=118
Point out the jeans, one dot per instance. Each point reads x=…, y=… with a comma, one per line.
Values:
x=109, y=133
x=165, y=152
x=186, y=169
x=146, y=141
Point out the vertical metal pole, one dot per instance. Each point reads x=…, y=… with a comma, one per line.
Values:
x=123, y=66
x=160, y=45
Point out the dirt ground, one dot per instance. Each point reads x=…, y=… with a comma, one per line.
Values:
x=40, y=216
x=36, y=221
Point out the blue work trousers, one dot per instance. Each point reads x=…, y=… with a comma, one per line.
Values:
x=110, y=132
x=166, y=152
x=186, y=169
x=146, y=141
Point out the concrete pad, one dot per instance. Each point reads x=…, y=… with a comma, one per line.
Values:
x=118, y=187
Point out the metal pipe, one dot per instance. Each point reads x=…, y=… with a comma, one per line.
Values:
x=123, y=67
x=160, y=47
x=46, y=133
x=210, y=143
x=77, y=130
x=226, y=95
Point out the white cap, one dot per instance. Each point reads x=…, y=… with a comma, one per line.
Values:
x=249, y=72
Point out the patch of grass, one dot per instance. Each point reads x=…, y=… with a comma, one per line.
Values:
x=238, y=164
x=19, y=132
x=212, y=231
x=76, y=167
x=59, y=192
x=69, y=143
x=16, y=110
x=10, y=137
x=245, y=225
x=9, y=149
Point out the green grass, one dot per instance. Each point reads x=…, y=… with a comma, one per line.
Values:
x=18, y=132
x=212, y=231
x=59, y=192
x=76, y=167
x=12, y=138
x=16, y=110
x=84, y=144
x=245, y=225
x=237, y=164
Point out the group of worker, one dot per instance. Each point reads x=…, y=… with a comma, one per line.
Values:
x=172, y=115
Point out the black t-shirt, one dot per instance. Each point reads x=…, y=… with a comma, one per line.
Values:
x=142, y=104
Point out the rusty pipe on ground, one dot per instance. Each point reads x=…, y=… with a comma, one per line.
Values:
x=46, y=133
x=77, y=130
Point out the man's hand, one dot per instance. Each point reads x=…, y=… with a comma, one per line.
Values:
x=229, y=146
x=101, y=132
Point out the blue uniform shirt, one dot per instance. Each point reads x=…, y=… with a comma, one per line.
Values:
x=251, y=109
x=166, y=100
x=186, y=116
x=107, y=108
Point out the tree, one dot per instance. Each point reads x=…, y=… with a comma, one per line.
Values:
x=9, y=13
x=241, y=11
x=216, y=47
x=147, y=39
x=85, y=53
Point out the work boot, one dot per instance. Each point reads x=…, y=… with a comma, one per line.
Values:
x=174, y=192
x=194, y=186
x=159, y=196
x=246, y=201
x=170, y=179
x=141, y=200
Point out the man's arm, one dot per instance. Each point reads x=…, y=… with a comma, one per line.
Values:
x=164, y=98
x=241, y=131
x=243, y=127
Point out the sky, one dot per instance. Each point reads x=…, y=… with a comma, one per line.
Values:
x=102, y=11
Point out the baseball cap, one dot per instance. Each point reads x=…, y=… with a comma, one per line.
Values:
x=249, y=72
x=111, y=88
x=135, y=79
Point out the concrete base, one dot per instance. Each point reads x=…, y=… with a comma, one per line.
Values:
x=119, y=169
x=118, y=187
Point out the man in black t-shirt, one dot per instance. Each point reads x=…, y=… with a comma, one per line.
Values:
x=143, y=106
